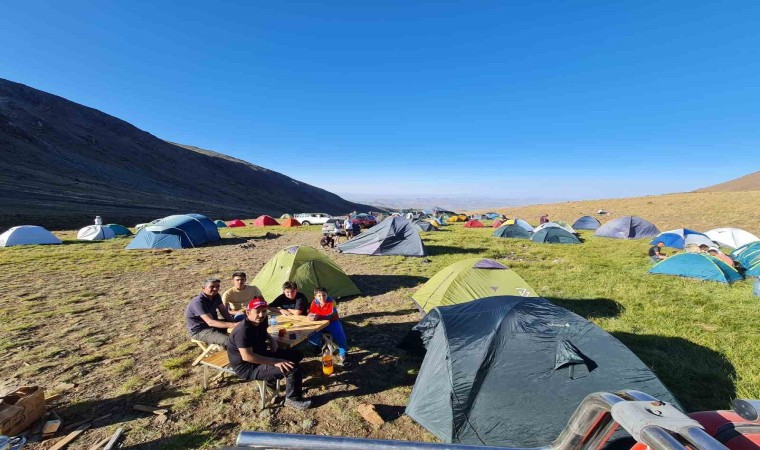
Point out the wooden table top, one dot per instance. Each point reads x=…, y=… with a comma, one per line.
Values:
x=301, y=326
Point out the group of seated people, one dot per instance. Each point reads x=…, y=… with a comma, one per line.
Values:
x=656, y=254
x=253, y=353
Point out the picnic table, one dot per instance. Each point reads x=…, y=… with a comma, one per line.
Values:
x=300, y=326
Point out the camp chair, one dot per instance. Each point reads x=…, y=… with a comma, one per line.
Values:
x=219, y=361
x=206, y=348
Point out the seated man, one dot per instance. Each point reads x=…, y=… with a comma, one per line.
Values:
x=323, y=308
x=237, y=297
x=291, y=302
x=327, y=241
x=201, y=315
x=252, y=360
x=714, y=251
x=655, y=252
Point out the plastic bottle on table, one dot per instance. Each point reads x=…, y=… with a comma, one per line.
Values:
x=327, y=363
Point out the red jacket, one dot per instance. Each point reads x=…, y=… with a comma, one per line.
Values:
x=325, y=311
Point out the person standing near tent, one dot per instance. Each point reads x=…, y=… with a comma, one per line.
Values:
x=543, y=219
x=201, y=315
x=323, y=308
x=291, y=302
x=254, y=355
x=714, y=251
x=348, y=226
x=655, y=252
x=237, y=297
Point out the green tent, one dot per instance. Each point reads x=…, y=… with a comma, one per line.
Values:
x=119, y=230
x=512, y=231
x=309, y=268
x=468, y=280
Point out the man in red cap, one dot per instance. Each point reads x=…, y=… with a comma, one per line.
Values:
x=254, y=355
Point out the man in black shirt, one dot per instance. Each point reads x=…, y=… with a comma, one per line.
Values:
x=251, y=359
x=291, y=302
x=201, y=316
x=655, y=252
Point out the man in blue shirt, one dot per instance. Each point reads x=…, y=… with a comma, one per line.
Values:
x=201, y=315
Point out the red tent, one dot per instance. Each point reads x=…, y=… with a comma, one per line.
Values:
x=496, y=223
x=290, y=223
x=473, y=224
x=236, y=223
x=264, y=221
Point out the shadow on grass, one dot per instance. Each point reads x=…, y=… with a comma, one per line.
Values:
x=186, y=440
x=590, y=308
x=382, y=284
x=700, y=378
x=434, y=250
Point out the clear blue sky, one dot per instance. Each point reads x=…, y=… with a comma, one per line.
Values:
x=570, y=99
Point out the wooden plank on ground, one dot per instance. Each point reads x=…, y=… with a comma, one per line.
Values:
x=70, y=437
x=150, y=409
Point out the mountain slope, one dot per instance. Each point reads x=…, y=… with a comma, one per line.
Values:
x=65, y=163
x=749, y=182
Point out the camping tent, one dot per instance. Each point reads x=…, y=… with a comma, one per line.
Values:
x=423, y=225
x=510, y=371
x=747, y=255
x=454, y=219
x=554, y=235
x=496, y=223
x=492, y=215
x=565, y=227
x=119, y=230
x=512, y=231
x=697, y=265
x=586, y=223
x=392, y=236
x=473, y=224
x=286, y=216
x=731, y=237
x=519, y=222
x=178, y=231
x=220, y=224
x=27, y=235
x=235, y=223
x=680, y=237
x=435, y=222
x=95, y=233
x=753, y=271
x=212, y=231
x=469, y=280
x=264, y=221
x=627, y=227
x=309, y=268
x=290, y=223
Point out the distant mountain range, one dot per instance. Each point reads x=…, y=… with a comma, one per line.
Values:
x=64, y=163
x=450, y=203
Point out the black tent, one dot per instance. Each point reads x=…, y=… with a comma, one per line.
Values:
x=628, y=227
x=554, y=235
x=586, y=223
x=392, y=236
x=510, y=371
x=423, y=225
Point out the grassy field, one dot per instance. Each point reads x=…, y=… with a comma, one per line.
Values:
x=104, y=327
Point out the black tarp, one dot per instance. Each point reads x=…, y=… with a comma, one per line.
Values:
x=510, y=371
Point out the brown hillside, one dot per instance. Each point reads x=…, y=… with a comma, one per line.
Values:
x=749, y=182
x=699, y=211
x=64, y=163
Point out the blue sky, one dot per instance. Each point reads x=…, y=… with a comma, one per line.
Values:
x=558, y=100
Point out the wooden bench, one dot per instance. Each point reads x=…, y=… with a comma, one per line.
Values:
x=219, y=361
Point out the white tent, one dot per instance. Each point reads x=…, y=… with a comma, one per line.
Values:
x=95, y=233
x=27, y=235
x=567, y=228
x=731, y=237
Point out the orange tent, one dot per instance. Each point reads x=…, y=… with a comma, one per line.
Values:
x=264, y=221
x=236, y=223
x=473, y=224
x=290, y=223
x=496, y=223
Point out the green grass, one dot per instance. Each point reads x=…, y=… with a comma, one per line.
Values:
x=74, y=308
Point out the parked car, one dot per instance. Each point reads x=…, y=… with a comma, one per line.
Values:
x=312, y=218
x=329, y=226
x=364, y=220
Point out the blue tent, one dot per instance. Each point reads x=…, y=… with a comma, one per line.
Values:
x=492, y=215
x=180, y=231
x=586, y=223
x=212, y=231
x=119, y=230
x=753, y=271
x=747, y=255
x=697, y=265
x=554, y=235
x=628, y=227
x=680, y=237
x=220, y=224
x=512, y=231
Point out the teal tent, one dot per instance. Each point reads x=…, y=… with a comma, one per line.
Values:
x=220, y=224
x=747, y=255
x=512, y=231
x=119, y=230
x=697, y=265
x=554, y=235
